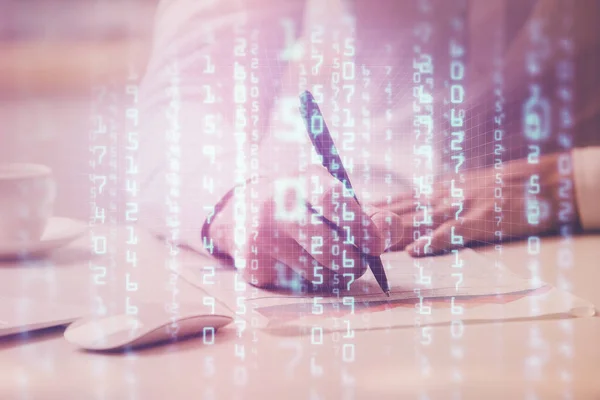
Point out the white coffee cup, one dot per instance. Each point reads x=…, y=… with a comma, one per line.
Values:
x=27, y=194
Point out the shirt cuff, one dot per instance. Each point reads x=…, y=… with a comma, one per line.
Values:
x=180, y=221
x=586, y=163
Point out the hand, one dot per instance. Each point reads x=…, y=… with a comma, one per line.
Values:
x=286, y=244
x=481, y=220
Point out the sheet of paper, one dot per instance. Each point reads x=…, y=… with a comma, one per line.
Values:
x=457, y=287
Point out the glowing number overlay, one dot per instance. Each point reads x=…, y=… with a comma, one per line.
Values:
x=283, y=189
x=316, y=124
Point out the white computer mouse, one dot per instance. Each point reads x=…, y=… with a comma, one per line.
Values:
x=120, y=331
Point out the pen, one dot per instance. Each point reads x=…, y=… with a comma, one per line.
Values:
x=323, y=144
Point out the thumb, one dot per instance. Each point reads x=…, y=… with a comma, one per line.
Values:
x=389, y=225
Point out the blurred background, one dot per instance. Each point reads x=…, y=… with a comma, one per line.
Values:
x=53, y=53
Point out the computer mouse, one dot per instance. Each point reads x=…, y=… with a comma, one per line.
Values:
x=120, y=331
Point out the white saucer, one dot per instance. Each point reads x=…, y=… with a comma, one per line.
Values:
x=59, y=232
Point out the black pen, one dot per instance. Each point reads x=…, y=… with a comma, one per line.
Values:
x=323, y=144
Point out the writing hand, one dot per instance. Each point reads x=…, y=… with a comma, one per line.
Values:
x=287, y=245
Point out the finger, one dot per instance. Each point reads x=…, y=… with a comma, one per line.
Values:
x=407, y=206
x=267, y=272
x=395, y=201
x=442, y=213
x=431, y=217
x=332, y=249
x=283, y=264
x=390, y=227
x=296, y=271
x=307, y=245
x=411, y=223
x=418, y=219
x=403, y=207
x=346, y=213
x=302, y=262
x=341, y=256
x=264, y=269
x=311, y=273
x=447, y=236
x=314, y=250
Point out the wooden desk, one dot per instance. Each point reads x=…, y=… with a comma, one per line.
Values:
x=490, y=361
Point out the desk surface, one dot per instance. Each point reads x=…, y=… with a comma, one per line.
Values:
x=548, y=358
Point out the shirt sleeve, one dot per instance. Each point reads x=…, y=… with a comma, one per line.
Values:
x=586, y=162
x=195, y=109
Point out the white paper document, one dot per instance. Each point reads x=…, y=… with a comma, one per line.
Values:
x=461, y=286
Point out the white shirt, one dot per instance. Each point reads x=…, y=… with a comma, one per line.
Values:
x=587, y=185
x=197, y=148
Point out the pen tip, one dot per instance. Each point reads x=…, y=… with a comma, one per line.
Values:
x=387, y=293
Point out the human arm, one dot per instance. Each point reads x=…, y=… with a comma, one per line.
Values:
x=479, y=223
x=191, y=124
x=220, y=143
x=586, y=163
